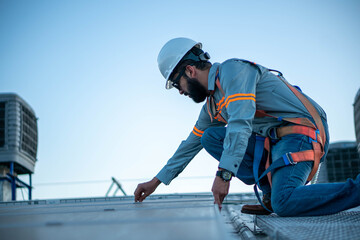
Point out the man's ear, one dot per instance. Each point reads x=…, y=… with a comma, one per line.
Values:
x=191, y=70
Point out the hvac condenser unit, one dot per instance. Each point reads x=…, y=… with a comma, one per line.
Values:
x=18, y=134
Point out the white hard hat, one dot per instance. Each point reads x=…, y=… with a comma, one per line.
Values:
x=172, y=53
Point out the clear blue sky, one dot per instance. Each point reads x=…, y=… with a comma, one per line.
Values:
x=89, y=70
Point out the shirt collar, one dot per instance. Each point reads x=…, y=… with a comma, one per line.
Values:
x=211, y=77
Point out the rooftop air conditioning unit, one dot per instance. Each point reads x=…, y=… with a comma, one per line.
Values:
x=18, y=134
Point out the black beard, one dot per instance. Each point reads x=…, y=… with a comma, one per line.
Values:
x=197, y=92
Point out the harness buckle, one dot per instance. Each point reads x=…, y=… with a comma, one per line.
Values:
x=317, y=132
x=289, y=159
x=273, y=135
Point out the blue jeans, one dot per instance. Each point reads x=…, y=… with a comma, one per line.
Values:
x=289, y=195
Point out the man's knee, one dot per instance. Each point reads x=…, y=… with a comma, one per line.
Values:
x=205, y=138
x=212, y=136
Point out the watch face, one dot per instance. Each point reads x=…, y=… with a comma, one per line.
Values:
x=226, y=175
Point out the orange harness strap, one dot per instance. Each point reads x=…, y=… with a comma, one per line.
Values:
x=319, y=141
x=296, y=129
x=304, y=127
x=210, y=102
x=267, y=163
x=299, y=121
x=308, y=155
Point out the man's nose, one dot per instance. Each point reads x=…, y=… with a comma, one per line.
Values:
x=181, y=92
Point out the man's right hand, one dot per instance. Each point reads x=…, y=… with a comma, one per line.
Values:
x=145, y=189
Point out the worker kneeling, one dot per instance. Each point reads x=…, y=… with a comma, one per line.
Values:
x=260, y=128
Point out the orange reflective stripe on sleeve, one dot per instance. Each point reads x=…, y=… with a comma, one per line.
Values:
x=197, y=132
x=239, y=98
x=236, y=97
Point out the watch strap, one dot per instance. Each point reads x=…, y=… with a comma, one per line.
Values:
x=220, y=173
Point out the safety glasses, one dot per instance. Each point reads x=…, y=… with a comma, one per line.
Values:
x=176, y=82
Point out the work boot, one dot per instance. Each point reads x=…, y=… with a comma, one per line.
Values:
x=258, y=209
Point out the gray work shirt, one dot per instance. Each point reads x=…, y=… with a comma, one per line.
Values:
x=247, y=88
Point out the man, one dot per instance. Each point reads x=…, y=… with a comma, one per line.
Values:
x=261, y=130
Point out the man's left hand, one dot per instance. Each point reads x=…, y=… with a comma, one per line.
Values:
x=220, y=189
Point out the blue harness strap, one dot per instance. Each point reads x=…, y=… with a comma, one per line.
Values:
x=278, y=163
x=258, y=154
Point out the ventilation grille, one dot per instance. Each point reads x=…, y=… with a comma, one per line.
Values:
x=342, y=163
x=2, y=124
x=29, y=132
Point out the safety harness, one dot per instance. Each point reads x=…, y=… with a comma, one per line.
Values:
x=303, y=126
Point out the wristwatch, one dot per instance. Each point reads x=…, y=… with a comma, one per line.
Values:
x=224, y=174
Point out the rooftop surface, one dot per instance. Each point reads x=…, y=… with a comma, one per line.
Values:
x=175, y=216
